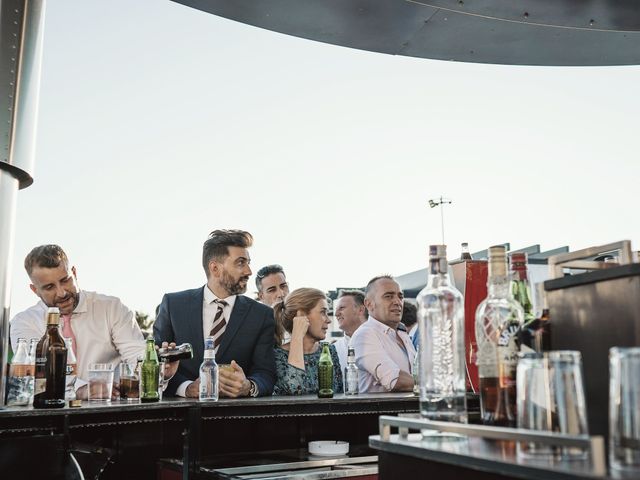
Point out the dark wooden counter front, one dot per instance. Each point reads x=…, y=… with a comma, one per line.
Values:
x=126, y=440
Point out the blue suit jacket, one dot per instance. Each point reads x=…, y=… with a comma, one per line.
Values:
x=248, y=338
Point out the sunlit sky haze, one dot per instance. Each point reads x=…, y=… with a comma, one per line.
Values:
x=159, y=123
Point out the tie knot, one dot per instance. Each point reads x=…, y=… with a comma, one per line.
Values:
x=221, y=303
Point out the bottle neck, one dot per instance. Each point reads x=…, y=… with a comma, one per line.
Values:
x=438, y=272
x=498, y=286
x=210, y=353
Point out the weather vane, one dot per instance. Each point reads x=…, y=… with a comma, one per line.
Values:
x=433, y=204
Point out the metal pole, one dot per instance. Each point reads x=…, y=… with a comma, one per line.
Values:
x=21, y=35
x=442, y=219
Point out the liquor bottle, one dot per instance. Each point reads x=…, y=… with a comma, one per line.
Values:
x=520, y=288
x=325, y=373
x=72, y=371
x=51, y=365
x=179, y=352
x=498, y=319
x=351, y=373
x=442, y=353
x=535, y=335
x=209, y=372
x=20, y=381
x=149, y=374
x=465, y=255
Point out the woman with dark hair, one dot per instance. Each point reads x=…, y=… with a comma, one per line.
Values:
x=304, y=314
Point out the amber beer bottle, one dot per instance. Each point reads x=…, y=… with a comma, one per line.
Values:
x=149, y=374
x=51, y=365
x=325, y=373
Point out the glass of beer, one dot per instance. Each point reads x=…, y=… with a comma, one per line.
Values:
x=129, y=383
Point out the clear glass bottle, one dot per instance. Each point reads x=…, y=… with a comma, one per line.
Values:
x=72, y=369
x=520, y=288
x=20, y=380
x=325, y=372
x=209, y=372
x=149, y=374
x=465, y=255
x=442, y=353
x=351, y=373
x=498, y=319
x=51, y=365
x=415, y=372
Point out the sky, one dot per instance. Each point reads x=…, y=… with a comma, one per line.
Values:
x=159, y=123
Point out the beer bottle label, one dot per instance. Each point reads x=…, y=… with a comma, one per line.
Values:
x=40, y=386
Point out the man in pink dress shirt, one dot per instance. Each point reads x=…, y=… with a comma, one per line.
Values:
x=384, y=354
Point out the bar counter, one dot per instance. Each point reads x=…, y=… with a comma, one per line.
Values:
x=482, y=453
x=124, y=440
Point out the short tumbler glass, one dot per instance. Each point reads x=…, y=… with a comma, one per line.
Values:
x=100, y=382
x=624, y=409
x=129, y=382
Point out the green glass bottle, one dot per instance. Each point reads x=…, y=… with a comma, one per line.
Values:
x=325, y=373
x=149, y=374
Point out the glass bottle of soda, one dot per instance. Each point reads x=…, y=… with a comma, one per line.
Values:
x=351, y=373
x=51, y=365
x=498, y=320
x=149, y=374
x=20, y=381
x=209, y=372
x=325, y=373
x=72, y=371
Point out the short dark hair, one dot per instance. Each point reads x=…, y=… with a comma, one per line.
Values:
x=45, y=256
x=218, y=243
x=409, y=314
x=266, y=271
x=369, y=286
x=357, y=295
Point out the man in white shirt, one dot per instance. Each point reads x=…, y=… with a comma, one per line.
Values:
x=351, y=313
x=272, y=285
x=384, y=354
x=102, y=329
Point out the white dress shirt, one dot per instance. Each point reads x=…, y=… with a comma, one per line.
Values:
x=106, y=331
x=379, y=357
x=209, y=309
x=342, y=347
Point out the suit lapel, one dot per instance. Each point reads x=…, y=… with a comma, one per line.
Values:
x=238, y=315
x=194, y=320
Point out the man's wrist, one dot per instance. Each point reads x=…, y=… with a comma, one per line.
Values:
x=253, y=389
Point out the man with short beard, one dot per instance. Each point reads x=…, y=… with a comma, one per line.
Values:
x=243, y=329
x=102, y=329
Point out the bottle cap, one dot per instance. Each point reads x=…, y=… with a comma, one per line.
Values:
x=438, y=251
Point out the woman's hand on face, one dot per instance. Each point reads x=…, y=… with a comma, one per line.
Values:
x=300, y=327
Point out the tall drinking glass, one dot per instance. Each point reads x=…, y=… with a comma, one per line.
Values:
x=624, y=409
x=568, y=390
x=536, y=405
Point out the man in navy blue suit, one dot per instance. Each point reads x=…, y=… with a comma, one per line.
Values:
x=243, y=329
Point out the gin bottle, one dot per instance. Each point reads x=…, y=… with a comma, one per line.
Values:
x=209, y=372
x=441, y=328
x=498, y=320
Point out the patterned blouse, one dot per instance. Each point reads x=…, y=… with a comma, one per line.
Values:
x=293, y=381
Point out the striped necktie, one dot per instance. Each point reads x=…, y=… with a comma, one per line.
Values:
x=219, y=324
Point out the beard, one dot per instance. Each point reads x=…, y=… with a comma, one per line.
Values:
x=75, y=296
x=233, y=286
